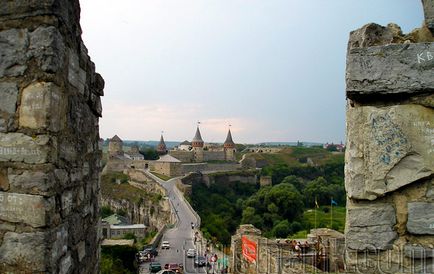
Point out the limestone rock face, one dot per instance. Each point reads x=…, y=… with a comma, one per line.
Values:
x=421, y=218
x=388, y=148
x=428, y=7
x=391, y=69
x=370, y=226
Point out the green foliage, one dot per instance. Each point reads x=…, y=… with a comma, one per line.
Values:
x=220, y=207
x=282, y=229
x=118, y=259
x=109, y=189
x=149, y=153
x=130, y=236
x=121, y=212
x=271, y=206
x=106, y=211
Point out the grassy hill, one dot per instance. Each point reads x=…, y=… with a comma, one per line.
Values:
x=297, y=156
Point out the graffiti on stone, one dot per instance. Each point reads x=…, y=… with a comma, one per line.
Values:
x=15, y=207
x=389, y=138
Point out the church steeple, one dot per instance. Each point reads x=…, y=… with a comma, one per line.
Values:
x=197, y=139
x=161, y=147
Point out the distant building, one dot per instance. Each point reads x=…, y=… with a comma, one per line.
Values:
x=134, y=154
x=197, y=145
x=186, y=146
x=167, y=165
x=116, y=226
x=338, y=147
x=116, y=147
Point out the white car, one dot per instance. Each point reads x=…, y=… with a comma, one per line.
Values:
x=191, y=253
x=165, y=245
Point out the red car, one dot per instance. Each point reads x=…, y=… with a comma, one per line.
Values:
x=174, y=267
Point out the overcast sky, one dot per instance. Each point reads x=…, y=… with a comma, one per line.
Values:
x=273, y=69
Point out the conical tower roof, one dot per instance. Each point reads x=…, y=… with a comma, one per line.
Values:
x=229, y=142
x=197, y=137
x=161, y=147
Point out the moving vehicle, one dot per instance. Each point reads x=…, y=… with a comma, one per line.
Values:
x=165, y=245
x=200, y=261
x=174, y=267
x=165, y=271
x=191, y=253
x=154, y=267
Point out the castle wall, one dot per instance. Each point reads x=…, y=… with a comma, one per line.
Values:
x=207, y=167
x=183, y=156
x=49, y=156
x=389, y=164
x=214, y=156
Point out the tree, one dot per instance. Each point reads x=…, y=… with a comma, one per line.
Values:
x=282, y=229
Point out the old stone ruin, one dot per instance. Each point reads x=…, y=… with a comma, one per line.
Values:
x=389, y=171
x=49, y=156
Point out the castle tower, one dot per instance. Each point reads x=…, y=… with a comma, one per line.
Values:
x=229, y=147
x=197, y=145
x=161, y=147
x=115, y=147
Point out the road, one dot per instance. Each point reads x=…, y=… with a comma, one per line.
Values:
x=180, y=237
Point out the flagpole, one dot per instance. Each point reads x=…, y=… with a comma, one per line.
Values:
x=331, y=213
x=316, y=205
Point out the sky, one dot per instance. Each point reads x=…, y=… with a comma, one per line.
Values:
x=272, y=69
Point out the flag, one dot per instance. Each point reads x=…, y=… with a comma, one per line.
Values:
x=316, y=203
x=333, y=202
x=249, y=249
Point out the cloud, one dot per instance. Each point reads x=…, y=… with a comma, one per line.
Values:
x=178, y=121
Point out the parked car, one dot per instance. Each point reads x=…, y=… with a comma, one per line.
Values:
x=165, y=271
x=174, y=267
x=154, y=267
x=191, y=253
x=165, y=245
x=200, y=261
x=150, y=250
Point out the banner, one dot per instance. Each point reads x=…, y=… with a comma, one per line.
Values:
x=249, y=249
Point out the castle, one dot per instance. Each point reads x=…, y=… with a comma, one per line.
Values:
x=198, y=152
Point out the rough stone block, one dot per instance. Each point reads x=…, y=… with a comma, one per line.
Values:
x=387, y=148
x=391, y=69
x=28, y=209
x=420, y=218
x=26, y=250
x=370, y=226
x=76, y=75
x=47, y=47
x=9, y=97
x=371, y=215
x=43, y=106
x=60, y=245
x=36, y=182
x=18, y=147
x=67, y=202
x=81, y=249
x=13, y=45
x=4, y=182
x=370, y=238
x=65, y=264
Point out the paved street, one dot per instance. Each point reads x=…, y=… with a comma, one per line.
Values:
x=181, y=236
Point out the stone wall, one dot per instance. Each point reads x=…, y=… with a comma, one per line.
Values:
x=49, y=156
x=389, y=166
x=209, y=167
